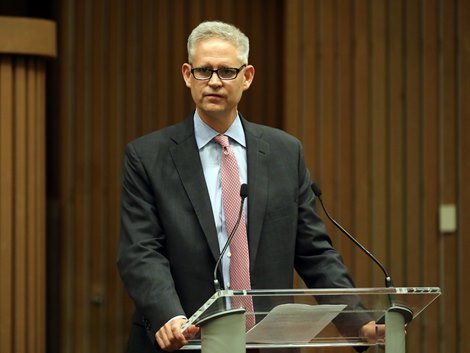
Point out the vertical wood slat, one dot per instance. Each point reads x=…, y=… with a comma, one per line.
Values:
x=430, y=83
x=326, y=111
x=41, y=249
x=114, y=317
x=412, y=141
x=379, y=168
x=293, y=31
x=36, y=231
x=180, y=95
x=6, y=204
x=163, y=97
x=148, y=64
x=22, y=204
x=131, y=44
x=34, y=127
x=396, y=131
x=463, y=110
x=448, y=171
x=21, y=192
x=308, y=118
x=98, y=139
x=361, y=136
x=65, y=176
x=448, y=168
x=344, y=104
x=80, y=226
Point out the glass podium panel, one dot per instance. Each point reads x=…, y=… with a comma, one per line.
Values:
x=313, y=317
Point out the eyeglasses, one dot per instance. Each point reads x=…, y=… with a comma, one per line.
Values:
x=224, y=73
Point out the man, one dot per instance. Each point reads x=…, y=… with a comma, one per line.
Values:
x=172, y=214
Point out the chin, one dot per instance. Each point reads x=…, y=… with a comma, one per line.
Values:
x=213, y=109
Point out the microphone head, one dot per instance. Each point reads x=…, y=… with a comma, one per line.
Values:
x=316, y=190
x=243, y=191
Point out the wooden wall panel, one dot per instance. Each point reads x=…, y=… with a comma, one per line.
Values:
x=383, y=117
x=344, y=106
x=413, y=151
x=396, y=130
x=23, y=44
x=360, y=116
x=463, y=160
x=430, y=125
x=22, y=205
x=378, y=124
x=7, y=203
x=376, y=90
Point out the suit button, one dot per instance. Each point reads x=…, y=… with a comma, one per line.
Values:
x=146, y=324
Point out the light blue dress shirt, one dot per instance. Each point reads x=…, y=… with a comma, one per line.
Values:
x=210, y=153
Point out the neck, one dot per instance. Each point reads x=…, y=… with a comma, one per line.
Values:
x=219, y=122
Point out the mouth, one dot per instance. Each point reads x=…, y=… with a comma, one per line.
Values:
x=213, y=95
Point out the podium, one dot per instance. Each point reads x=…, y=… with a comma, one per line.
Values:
x=307, y=318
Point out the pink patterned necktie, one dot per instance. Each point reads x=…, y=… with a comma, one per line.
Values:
x=240, y=257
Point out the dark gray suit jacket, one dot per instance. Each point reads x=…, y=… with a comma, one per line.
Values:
x=168, y=245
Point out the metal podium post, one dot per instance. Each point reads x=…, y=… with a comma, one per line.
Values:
x=224, y=332
x=394, y=332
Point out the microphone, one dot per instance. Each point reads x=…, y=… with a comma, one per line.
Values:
x=388, y=279
x=405, y=311
x=243, y=195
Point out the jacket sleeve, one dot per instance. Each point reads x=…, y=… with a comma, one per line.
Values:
x=142, y=262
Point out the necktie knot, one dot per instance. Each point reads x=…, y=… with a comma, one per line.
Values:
x=222, y=140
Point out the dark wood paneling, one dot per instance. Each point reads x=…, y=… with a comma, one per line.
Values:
x=22, y=204
x=463, y=161
x=413, y=153
x=430, y=126
x=6, y=202
x=344, y=106
x=23, y=42
x=378, y=100
x=376, y=90
x=396, y=130
x=361, y=135
x=378, y=124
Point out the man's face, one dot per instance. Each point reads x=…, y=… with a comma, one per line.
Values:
x=216, y=99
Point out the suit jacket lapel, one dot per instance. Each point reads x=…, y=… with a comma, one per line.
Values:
x=257, y=156
x=186, y=158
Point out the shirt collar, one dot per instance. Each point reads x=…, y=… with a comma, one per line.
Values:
x=204, y=133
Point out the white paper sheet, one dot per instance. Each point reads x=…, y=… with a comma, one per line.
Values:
x=294, y=323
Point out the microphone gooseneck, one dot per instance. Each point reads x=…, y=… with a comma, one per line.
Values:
x=243, y=196
x=405, y=311
x=388, y=279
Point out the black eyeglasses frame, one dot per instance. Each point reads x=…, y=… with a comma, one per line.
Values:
x=237, y=71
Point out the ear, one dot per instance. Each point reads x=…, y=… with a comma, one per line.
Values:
x=186, y=71
x=248, y=75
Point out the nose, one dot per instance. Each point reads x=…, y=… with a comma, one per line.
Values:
x=215, y=80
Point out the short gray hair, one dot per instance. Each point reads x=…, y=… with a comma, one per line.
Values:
x=221, y=30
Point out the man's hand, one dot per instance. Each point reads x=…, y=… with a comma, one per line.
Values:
x=373, y=332
x=170, y=338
